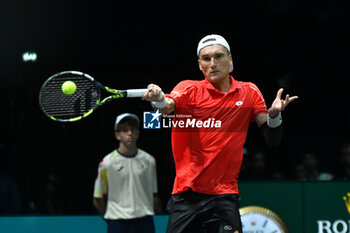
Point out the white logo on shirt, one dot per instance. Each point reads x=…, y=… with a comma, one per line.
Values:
x=239, y=103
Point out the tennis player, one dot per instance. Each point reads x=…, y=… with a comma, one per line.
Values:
x=126, y=182
x=208, y=159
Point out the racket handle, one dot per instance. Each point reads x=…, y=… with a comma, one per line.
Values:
x=135, y=92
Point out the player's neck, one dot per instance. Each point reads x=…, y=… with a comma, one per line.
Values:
x=223, y=85
x=127, y=150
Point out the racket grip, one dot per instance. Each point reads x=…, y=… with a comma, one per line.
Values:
x=135, y=92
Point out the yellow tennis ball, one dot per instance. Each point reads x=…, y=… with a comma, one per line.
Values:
x=69, y=87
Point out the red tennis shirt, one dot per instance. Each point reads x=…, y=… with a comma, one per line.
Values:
x=208, y=133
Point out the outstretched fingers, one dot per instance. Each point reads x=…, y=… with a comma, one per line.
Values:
x=288, y=100
x=279, y=94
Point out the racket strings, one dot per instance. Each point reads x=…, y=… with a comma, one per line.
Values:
x=61, y=106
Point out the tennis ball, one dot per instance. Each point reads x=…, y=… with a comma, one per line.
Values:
x=69, y=87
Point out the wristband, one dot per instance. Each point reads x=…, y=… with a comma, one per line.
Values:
x=160, y=104
x=274, y=122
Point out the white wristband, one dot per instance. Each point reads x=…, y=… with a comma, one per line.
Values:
x=274, y=122
x=161, y=104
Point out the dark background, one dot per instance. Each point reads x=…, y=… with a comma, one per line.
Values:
x=299, y=45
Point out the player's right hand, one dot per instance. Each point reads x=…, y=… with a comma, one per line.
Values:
x=154, y=93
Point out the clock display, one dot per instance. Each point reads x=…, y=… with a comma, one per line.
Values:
x=256, y=219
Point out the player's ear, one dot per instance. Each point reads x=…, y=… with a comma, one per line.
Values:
x=199, y=65
x=231, y=64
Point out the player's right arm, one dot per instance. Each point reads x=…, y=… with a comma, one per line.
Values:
x=155, y=94
x=170, y=106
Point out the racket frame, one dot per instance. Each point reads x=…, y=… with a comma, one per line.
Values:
x=116, y=94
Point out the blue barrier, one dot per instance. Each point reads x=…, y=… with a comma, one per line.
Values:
x=64, y=224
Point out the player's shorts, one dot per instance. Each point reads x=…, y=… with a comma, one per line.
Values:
x=136, y=225
x=192, y=212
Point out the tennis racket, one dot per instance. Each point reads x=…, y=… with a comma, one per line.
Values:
x=82, y=98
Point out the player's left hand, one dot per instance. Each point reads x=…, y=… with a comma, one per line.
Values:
x=278, y=105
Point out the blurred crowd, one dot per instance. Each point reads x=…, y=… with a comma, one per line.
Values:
x=257, y=166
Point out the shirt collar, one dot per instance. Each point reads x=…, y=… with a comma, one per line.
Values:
x=234, y=85
x=128, y=156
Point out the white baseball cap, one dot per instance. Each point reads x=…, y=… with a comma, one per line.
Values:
x=211, y=40
x=123, y=116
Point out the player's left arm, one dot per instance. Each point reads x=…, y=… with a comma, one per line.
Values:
x=270, y=123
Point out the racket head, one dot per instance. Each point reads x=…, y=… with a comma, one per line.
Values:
x=61, y=107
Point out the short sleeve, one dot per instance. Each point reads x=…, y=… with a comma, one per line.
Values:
x=258, y=101
x=101, y=182
x=182, y=92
